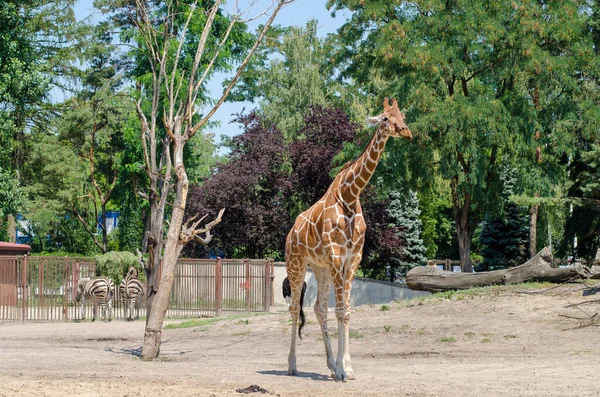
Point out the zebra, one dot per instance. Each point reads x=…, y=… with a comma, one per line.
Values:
x=100, y=291
x=131, y=290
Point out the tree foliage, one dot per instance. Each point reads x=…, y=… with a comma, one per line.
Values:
x=287, y=78
x=404, y=212
x=469, y=74
x=253, y=185
x=385, y=245
x=504, y=237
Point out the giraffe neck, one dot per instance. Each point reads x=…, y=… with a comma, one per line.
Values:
x=356, y=177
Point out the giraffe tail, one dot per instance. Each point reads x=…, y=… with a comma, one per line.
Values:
x=302, y=317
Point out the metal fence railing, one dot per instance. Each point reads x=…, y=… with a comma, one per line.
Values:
x=44, y=288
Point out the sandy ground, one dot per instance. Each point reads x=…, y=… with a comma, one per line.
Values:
x=507, y=343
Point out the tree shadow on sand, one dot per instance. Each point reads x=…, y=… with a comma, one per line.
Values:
x=311, y=375
x=134, y=351
x=137, y=352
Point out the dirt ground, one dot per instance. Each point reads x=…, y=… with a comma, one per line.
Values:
x=505, y=343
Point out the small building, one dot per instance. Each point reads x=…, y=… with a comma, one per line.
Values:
x=12, y=249
x=8, y=271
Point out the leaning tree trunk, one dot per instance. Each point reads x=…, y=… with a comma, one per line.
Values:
x=538, y=268
x=152, y=267
x=173, y=247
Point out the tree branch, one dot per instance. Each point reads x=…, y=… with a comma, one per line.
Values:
x=190, y=231
x=240, y=69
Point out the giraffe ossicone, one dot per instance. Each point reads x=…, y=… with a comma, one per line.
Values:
x=330, y=236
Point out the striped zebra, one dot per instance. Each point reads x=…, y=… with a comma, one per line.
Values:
x=100, y=291
x=131, y=291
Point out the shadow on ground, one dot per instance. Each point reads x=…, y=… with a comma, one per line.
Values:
x=311, y=375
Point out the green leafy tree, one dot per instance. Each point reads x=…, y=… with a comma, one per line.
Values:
x=287, y=77
x=33, y=38
x=60, y=178
x=466, y=72
x=582, y=229
x=436, y=216
x=92, y=124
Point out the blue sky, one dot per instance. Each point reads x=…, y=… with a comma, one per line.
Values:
x=295, y=14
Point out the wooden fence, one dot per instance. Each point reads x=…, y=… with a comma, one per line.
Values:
x=44, y=288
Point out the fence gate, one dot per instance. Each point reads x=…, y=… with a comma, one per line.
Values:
x=44, y=288
x=213, y=286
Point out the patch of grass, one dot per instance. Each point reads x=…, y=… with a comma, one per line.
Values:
x=448, y=339
x=243, y=333
x=469, y=334
x=208, y=321
x=354, y=334
x=387, y=328
x=486, y=340
x=472, y=293
x=422, y=332
x=510, y=336
x=486, y=334
x=384, y=308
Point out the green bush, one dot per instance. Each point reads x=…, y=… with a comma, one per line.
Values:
x=115, y=265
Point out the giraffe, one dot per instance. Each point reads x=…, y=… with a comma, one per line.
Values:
x=330, y=236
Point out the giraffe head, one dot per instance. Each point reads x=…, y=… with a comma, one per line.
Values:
x=391, y=121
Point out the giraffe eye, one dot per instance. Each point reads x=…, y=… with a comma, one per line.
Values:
x=385, y=118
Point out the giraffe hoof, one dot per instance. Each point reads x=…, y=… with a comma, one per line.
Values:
x=350, y=375
x=339, y=377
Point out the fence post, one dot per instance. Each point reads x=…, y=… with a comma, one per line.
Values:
x=25, y=302
x=267, y=297
x=272, y=282
x=219, y=286
x=65, y=293
x=247, y=285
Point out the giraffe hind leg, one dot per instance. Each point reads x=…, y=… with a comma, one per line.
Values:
x=340, y=314
x=324, y=285
x=296, y=270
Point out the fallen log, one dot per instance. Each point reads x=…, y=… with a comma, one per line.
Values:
x=538, y=268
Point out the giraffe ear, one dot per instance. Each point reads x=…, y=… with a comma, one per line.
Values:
x=386, y=104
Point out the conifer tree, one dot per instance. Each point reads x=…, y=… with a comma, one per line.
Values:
x=404, y=211
x=504, y=238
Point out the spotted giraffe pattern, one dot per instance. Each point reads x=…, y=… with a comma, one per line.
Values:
x=330, y=236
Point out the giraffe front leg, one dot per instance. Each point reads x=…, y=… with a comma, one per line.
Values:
x=324, y=284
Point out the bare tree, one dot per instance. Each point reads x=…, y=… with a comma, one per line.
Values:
x=164, y=41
